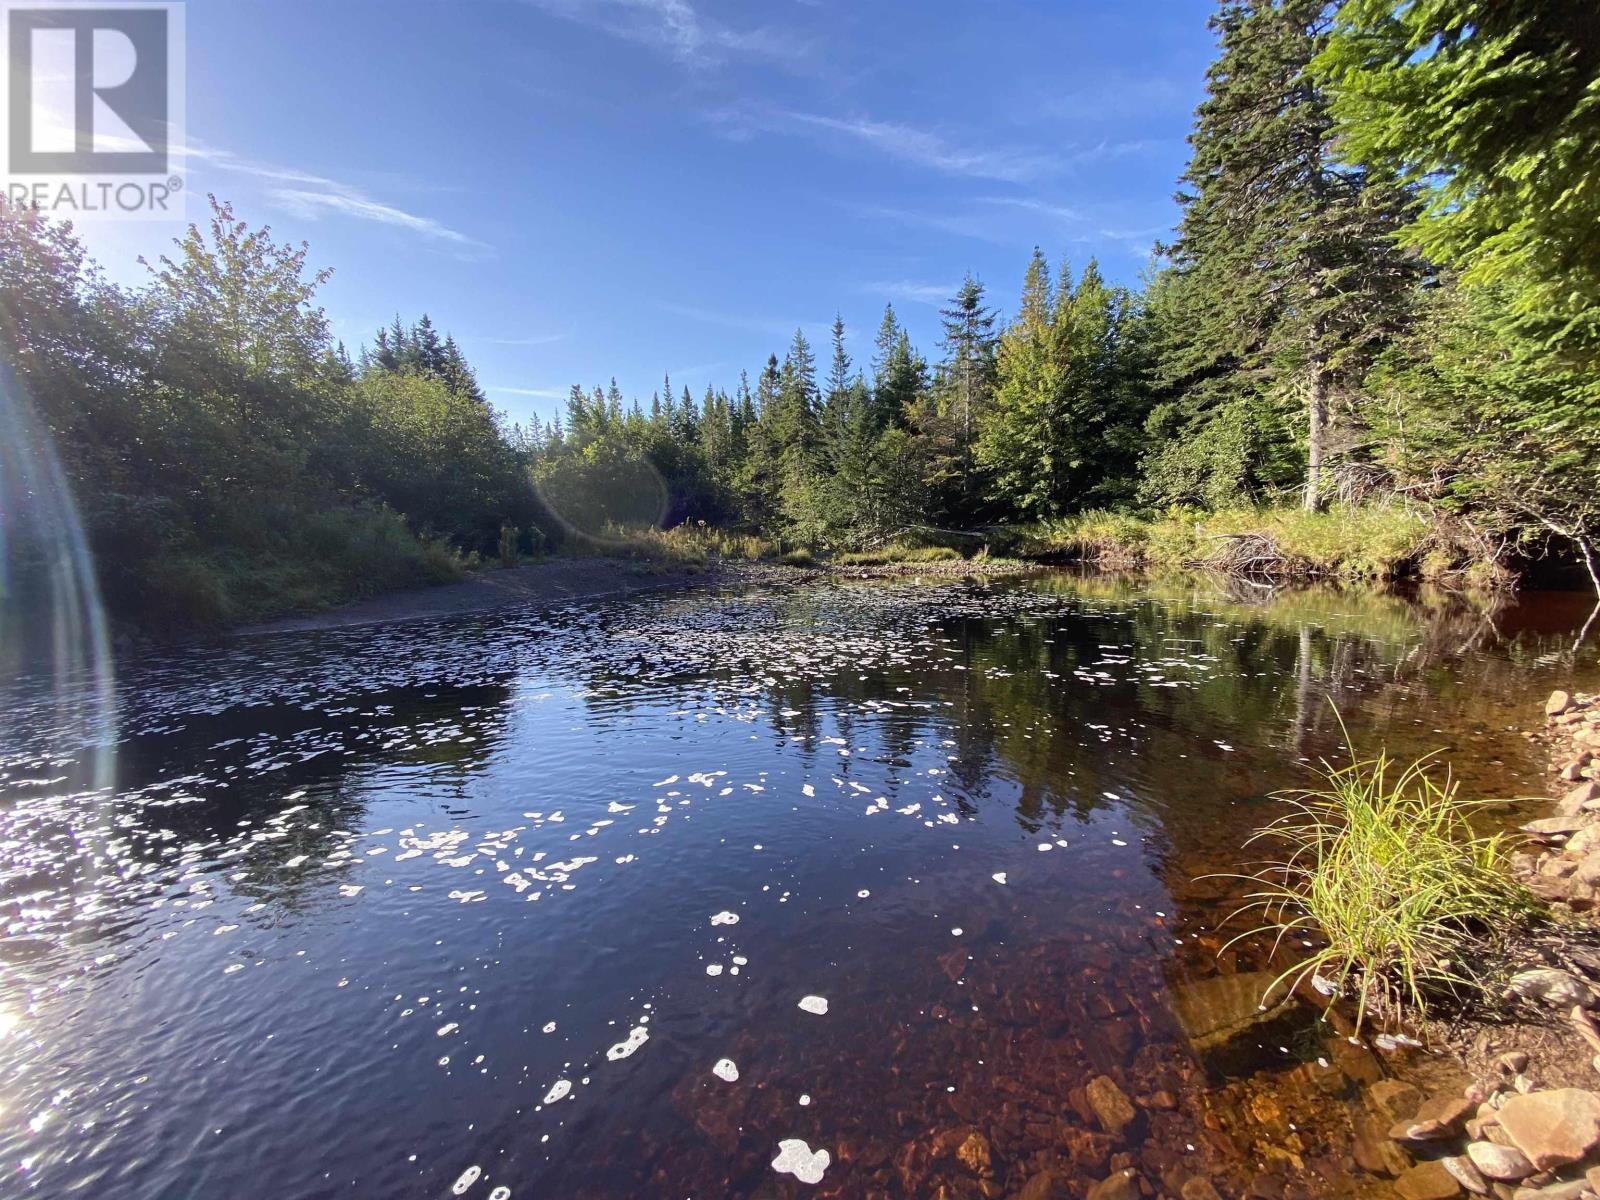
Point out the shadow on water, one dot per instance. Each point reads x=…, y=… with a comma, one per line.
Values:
x=496, y=892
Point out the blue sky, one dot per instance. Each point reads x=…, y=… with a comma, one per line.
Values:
x=582, y=188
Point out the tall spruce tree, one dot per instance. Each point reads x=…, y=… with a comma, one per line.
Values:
x=1288, y=277
x=969, y=340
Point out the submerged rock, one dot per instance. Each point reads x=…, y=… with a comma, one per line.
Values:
x=1395, y=1099
x=1427, y=1181
x=1213, y=1011
x=1124, y=1185
x=1112, y=1108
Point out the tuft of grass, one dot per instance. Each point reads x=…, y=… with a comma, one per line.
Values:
x=1383, y=867
x=798, y=558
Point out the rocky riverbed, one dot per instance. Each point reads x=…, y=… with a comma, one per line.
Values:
x=1520, y=1120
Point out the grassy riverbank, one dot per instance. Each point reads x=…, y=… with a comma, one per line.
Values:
x=1342, y=543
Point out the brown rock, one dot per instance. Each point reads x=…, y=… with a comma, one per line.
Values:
x=1464, y=1173
x=1573, y=802
x=1200, y=1188
x=1588, y=871
x=1512, y=1062
x=1556, y=866
x=1569, y=1189
x=1505, y=1163
x=1043, y=1186
x=1355, y=1061
x=1553, y=1128
x=1395, y=1099
x=1553, y=827
x=1450, y=1111
x=1427, y=1181
x=1112, y=1108
x=1585, y=841
x=1373, y=1150
x=1124, y=1185
x=975, y=1153
x=1558, y=703
x=1547, y=888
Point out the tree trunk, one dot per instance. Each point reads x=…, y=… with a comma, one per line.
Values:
x=1316, y=436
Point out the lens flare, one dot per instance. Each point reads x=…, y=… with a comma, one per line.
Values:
x=52, y=624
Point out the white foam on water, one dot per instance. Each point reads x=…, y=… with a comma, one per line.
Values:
x=500, y=1193
x=956, y=932
x=1118, y=842
x=863, y=894
x=725, y=918
x=726, y=1070
x=804, y=1101
x=558, y=1090
x=1043, y=846
x=447, y=1029
x=713, y=969
x=808, y=789
x=549, y=1026
x=816, y=1005
x=469, y=1177
x=795, y=1157
x=637, y=1037
x=998, y=877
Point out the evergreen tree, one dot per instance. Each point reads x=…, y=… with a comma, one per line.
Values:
x=1288, y=279
x=969, y=340
x=1493, y=106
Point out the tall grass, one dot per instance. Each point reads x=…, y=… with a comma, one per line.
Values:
x=1383, y=867
x=685, y=545
x=1342, y=542
x=897, y=552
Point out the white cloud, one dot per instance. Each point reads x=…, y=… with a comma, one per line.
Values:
x=536, y=393
x=911, y=291
x=674, y=28
x=738, y=320
x=311, y=197
x=543, y=339
x=310, y=205
x=891, y=139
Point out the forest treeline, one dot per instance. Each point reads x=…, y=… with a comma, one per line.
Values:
x=1384, y=290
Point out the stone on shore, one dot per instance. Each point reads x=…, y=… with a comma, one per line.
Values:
x=1506, y=1164
x=1574, y=801
x=1552, y=1128
x=1558, y=703
x=1556, y=988
x=1467, y=1175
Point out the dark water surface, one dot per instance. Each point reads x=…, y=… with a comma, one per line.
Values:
x=481, y=903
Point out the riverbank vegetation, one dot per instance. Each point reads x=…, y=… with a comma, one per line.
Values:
x=1382, y=871
x=1370, y=350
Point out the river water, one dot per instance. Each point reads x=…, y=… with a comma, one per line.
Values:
x=635, y=898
